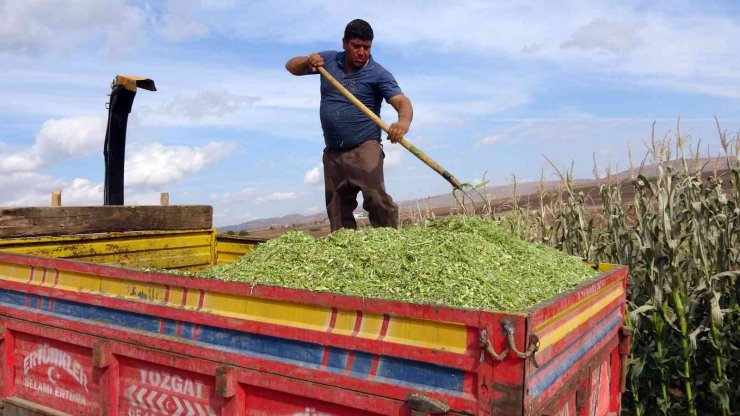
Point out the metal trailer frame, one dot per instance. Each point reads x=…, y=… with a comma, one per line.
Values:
x=258, y=350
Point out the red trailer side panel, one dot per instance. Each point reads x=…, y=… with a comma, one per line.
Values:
x=55, y=374
x=578, y=333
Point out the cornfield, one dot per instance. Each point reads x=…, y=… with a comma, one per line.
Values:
x=678, y=229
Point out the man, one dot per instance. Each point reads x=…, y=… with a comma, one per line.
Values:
x=353, y=157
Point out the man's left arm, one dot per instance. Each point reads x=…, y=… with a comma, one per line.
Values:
x=402, y=105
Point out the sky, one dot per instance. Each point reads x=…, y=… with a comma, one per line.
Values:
x=498, y=89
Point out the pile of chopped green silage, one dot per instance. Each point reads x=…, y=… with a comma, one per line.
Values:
x=457, y=261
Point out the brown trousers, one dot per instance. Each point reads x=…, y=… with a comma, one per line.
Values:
x=347, y=172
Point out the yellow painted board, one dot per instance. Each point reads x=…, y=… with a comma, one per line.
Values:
x=88, y=248
x=229, y=247
x=133, y=290
x=553, y=320
x=178, y=258
x=268, y=311
x=370, y=326
x=71, y=281
x=99, y=236
x=565, y=326
x=345, y=322
x=15, y=272
x=431, y=334
x=227, y=258
x=182, y=297
x=229, y=252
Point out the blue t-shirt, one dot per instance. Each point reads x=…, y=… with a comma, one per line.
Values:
x=344, y=125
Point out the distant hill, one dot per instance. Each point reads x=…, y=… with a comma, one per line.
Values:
x=497, y=192
x=291, y=219
x=430, y=202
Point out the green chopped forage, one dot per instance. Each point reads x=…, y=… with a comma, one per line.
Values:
x=456, y=261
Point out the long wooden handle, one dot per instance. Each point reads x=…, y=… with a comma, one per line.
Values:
x=405, y=143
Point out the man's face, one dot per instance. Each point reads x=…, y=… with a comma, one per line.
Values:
x=358, y=51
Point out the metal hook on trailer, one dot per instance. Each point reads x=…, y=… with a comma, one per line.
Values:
x=486, y=347
x=534, y=343
x=509, y=330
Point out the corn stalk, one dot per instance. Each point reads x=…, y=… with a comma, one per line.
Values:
x=679, y=231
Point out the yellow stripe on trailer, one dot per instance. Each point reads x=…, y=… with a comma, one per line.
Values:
x=188, y=249
x=230, y=248
x=416, y=332
x=437, y=335
x=229, y=252
x=345, y=322
x=607, y=294
x=370, y=326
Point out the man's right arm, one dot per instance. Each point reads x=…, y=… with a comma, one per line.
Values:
x=304, y=65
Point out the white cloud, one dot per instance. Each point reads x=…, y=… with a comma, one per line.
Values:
x=671, y=43
x=251, y=195
x=544, y=130
x=41, y=26
x=156, y=164
x=490, y=139
x=137, y=197
x=672, y=40
x=314, y=176
x=34, y=189
x=58, y=140
x=531, y=48
x=604, y=37
x=177, y=28
x=19, y=162
x=313, y=209
x=394, y=154
x=82, y=192
x=605, y=150
x=71, y=137
x=243, y=195
x=268, y=101
x=473, y=97
x=26, y=189
x=206, y=104
x=177, y=22
x=276, y=196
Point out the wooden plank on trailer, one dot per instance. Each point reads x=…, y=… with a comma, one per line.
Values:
x=37, y=221
x=228, y=252
x=164, y=259
x=110, y=246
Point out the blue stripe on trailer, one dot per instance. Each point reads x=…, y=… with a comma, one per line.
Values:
x=415, y=373
x=554, y=372
x=296, y=352
x=392, y=370
x=170, y=327
x=11, y=298
x=108, y=316
x=33, y=301
x=337, y=360
x=361, y=364
x=187, y=330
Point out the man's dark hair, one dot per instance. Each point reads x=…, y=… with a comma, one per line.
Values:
x=358, y=29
